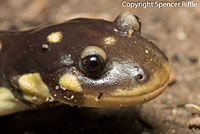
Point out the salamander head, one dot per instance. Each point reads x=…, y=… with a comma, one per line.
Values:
x=98, y=63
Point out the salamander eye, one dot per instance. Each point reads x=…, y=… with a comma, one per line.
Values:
x=92, y=64
x=93, y=61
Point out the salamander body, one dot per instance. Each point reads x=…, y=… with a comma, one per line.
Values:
x=82, y=62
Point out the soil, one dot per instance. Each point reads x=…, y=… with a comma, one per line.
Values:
x=176, y=31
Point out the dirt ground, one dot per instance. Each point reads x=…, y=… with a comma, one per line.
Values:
x=176, y=31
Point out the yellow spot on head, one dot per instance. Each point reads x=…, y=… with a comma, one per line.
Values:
x=109, y=40
x=54, y=37
x=32, y=86
x=70, y=82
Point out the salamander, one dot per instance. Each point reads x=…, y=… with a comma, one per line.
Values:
x=82, y=62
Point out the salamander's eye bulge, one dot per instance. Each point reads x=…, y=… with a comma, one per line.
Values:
x=93, y=61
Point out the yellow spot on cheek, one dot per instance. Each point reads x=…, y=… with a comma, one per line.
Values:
x=109, y=40
x=33, y=88
x=70, y=82
x=54, y=37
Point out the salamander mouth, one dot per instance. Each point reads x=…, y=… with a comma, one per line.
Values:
x=119, y=101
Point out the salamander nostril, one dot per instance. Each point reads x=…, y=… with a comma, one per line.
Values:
x=139, y=76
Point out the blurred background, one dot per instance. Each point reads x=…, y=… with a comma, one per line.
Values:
x=176, y=31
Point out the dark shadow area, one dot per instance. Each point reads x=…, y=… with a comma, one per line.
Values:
x=73, y=120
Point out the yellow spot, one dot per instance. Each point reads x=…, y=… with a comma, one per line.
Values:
x=109, y=40
x=70, y=82
x=54, y=37
x=33, y=87
x=1, y=45
x=9, y=104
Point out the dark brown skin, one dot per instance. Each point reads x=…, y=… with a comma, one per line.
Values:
x=22, y=53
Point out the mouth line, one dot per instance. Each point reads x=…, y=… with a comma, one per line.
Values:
x=120, y=101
